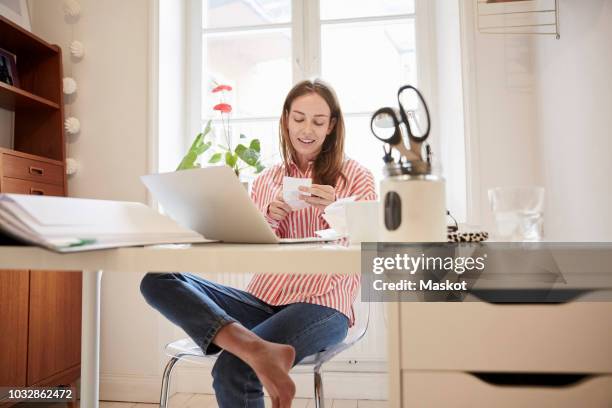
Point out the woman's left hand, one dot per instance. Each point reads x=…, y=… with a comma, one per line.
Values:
x=321, y=195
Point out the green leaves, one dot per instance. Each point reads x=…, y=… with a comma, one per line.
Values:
x=197, y=148
x=249, y=155
x=255, y=145
x=231, y=159
x=215, y=158
x=259, y=168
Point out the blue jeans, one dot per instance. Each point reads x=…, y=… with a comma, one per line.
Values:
x=201, y=308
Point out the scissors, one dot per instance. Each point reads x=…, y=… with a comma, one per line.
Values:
x=413, y=113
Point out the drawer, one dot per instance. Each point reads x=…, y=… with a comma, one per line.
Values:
x=16, y=186
x=476, y=336
x=30, y=169
x=457, y=389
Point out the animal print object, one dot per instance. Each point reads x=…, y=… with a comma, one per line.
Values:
x=457, y=236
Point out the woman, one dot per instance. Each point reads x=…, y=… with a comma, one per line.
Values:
x=279, y=319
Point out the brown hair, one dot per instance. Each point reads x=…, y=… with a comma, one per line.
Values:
x=328, y=164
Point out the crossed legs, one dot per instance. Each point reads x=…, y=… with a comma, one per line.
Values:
x=261, y=342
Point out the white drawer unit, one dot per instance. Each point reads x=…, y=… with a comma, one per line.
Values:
x=438, y=345
x=476, y=336
x=439, y=389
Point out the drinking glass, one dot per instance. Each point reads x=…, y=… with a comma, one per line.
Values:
x=518, y=213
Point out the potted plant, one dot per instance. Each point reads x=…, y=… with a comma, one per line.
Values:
x=245, y=155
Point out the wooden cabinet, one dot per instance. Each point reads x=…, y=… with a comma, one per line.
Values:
x=40, y=311
x=40, y=322
x=23, y=173
x=28, y=167
x=54, y=338
x=14, y=306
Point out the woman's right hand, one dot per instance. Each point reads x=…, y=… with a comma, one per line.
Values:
x=278, y=208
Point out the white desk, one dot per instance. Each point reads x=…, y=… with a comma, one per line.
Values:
x=203, y=258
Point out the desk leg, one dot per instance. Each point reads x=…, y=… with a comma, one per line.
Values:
x=90, y=339
x=394, y=350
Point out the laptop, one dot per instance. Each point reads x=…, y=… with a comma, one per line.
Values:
x=213, y=202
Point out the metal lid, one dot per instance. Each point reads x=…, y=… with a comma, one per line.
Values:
x=414, y=168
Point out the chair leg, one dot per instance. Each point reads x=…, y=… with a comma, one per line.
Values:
x=318, y=388
x=165, y=388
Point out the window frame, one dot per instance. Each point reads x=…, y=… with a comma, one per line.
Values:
x=306, y=56
x=306, y=49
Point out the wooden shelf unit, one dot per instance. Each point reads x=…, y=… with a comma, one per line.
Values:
x=40, y=311
x=38, y=101
x=12, y=98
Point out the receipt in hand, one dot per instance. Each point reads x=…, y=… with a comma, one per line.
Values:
x=291, y=194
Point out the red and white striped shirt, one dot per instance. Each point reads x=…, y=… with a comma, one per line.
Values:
x=331, y=290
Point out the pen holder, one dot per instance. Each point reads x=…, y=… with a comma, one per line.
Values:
x=413, y=209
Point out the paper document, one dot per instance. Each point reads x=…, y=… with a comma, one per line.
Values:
x=291, y=194
x=66, y=224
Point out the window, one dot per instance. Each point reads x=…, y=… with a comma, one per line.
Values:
x=367, y=53
x=364, y=48
x=248, y=44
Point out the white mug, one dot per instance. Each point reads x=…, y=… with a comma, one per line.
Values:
x=362, y=221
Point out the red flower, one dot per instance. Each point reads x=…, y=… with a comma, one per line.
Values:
x=223, y=107
x=220, y=88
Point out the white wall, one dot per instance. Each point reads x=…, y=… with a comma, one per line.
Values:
x=448, y=114
x=500, y=88
x=112, y=104
x=172, y=83
x=542, y=116
x=574, y=110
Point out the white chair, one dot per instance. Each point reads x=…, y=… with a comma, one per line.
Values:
x=187, y=349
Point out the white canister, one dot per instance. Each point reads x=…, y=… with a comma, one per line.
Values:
x=413, y=209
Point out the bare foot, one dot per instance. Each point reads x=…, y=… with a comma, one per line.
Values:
x=272, y=362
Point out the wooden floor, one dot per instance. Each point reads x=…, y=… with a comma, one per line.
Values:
x=182, y=400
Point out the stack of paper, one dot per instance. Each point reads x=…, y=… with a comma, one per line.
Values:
x=75, y=224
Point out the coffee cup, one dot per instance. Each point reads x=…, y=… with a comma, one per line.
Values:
x=362, y=221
